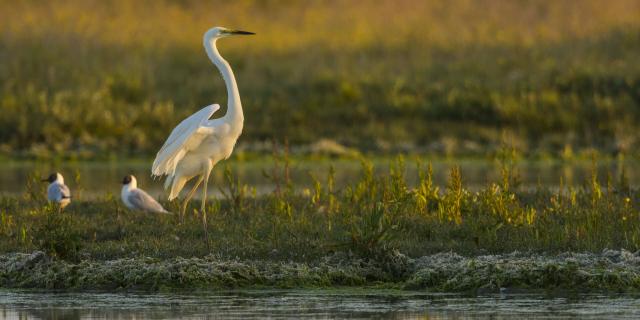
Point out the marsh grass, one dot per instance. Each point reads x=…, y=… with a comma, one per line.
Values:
x=369, y=217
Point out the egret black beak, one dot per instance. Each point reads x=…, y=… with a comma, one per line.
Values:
x=239, y=32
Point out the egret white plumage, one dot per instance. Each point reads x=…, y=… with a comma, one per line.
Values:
x=57, y=191
x=138, y=199
x=197, y=143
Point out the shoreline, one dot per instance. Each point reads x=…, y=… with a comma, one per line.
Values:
x=611, y=271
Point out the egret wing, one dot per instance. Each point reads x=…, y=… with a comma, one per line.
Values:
x=182, y=139
x=143, y=201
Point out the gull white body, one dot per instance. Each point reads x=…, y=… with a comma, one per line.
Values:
x=58, y=192
x=197, y=143
x=137, y=199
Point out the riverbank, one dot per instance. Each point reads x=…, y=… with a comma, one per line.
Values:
x=609, y=270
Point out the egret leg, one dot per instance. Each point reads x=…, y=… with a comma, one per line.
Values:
x=188, y=197
x=203, y=208
x=204, y=191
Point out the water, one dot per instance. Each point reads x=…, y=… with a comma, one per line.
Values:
x=311, y=304
x=97, y=179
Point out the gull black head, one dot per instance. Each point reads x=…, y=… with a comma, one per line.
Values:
x=127, y=179
x=52, y=178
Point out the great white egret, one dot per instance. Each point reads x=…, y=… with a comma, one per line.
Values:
x=57, y=191
x=137, y=199
x=197, y=143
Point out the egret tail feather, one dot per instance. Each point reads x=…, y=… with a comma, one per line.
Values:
x=178, y=184
x=168, y=182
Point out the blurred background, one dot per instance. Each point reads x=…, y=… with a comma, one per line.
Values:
x=110, y=79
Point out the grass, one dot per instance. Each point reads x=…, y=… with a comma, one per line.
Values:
x=99, y=80
x=371, y=216
x=374, y=232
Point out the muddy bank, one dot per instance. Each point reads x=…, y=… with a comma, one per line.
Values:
x=449, y=272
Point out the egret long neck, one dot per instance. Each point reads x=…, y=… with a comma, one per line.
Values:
x=234, y=106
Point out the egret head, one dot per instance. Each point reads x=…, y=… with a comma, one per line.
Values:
x=221, y=32
x=53, y=177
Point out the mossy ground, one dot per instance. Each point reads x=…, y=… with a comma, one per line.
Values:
x=608, y=271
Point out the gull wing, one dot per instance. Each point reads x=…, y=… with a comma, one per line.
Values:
x=57, y=192
x=183, y=139
x=143, y=201
x=65, y=192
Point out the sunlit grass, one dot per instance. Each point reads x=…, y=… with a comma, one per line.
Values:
x=93, y=79
x=339, y=25
x=375, y=214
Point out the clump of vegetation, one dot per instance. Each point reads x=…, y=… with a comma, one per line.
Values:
x=54, y=233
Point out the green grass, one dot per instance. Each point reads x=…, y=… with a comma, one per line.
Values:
x=102, y=80
x=369, y=217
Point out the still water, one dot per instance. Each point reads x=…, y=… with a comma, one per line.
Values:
x=311, y=304
x=95, y=179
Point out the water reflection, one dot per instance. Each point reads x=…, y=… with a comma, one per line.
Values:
x=311, y=304
x=98, y=179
